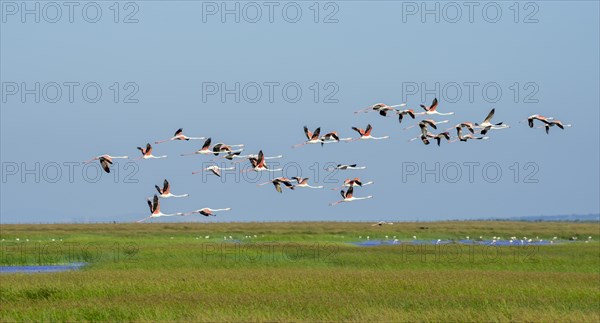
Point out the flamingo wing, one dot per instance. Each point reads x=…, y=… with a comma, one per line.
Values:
x=349, y=192
x=368, y=130
x=166, y=187
x=359, y=130
x=105, y=163
x=150, y=205
x=434, y=105
x=316, y=134
x=206, y=144
x=423, y=127
x=277, y=186
x=178, y=132
x=489, y=116
x=307, y=133
x=156, y=204
x=148, y=148
x=217, y=148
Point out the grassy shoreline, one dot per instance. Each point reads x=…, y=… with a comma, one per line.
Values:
x=302, y=271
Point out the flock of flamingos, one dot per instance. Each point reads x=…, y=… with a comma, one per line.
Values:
x=476, y=131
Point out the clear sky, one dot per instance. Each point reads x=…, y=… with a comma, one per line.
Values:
x=176, y=58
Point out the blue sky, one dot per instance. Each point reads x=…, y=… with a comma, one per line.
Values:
x=546, y=63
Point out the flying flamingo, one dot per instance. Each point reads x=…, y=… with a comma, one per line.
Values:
x=147, y=153
x=346, y=167
x=214, y=169
x=438, y=137
x=552, y=123
x=538, y=117
x=105, y=161
x=207, y=211
x=432, y=109
x=313, y=137
x=441, y=135
x=469, y=125
x=204, y=150
x=332, y=137
x=424, y=132
x=179, y=136
x=259, y=164
x=402, y=113
x=380, y=223
x=165, y=192
x=353, y=182
x=467, y=136
x=155, y=210
x=365, y=134
x=487, y=124
x=223, y=148
x=217, y=149
x=277, y=183
x=382, y=108
x=347, y=197
x=303, y=182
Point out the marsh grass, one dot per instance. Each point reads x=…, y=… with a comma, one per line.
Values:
x=302, y=272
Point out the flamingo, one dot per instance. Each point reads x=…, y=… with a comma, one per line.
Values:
x=207, y=212
x=441, y=135
x=365, y=134
x=217, y=149
x=552, y=123
x=165, y=192
x=487, y=124
x=348, y=197
x=353, y=182
x=425, y=134
x=313, y=137
x=277, y=183
x=469, y=125
x=467, y=136
x=214, y=169
x=346, y=167
x=155, y=209
x=222, y=148
x=332, y=137
x=204, y=150
x=179, y=136
x=259, y=164
x=432, y=109
x=147, y=153
x=303, y=182
x=380, y=223
x=105, y=161
x=382, y=108
x=437, y=137
x=401, y=114
x=538, y=117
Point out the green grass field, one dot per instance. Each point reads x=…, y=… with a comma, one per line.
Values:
x=300, y=272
